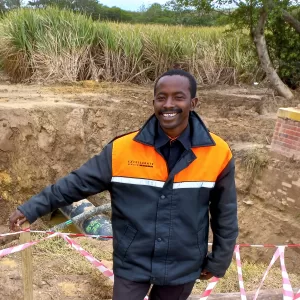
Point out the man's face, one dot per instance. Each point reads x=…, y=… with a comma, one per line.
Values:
x=173, y=103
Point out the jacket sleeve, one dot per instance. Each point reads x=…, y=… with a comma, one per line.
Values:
x=91, y=178
x=224, y=223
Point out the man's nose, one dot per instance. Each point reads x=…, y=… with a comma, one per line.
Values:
x=169, y=103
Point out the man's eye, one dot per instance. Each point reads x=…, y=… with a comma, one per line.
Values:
x=160, y=98
x=178, y=97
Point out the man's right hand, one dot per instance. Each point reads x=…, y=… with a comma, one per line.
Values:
x=16, y=219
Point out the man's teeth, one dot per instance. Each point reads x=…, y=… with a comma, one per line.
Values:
x=170, y=115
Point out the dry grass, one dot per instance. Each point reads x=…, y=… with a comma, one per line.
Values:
x=52, y=45
x=58, y=258
x=254, y=161
x=71, y=262
x=252, y=274
x=62, y=260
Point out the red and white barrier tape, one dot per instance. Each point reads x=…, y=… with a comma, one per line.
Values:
x=270, y=245
x=21, y=247
x=288, y=293
x=100, y=266
x=213, y=282
x=287, y=288
x=108, y=273
x=110, y=237
x=240, y=274
x=14, y=233
x=105, y=271
x=51, y=232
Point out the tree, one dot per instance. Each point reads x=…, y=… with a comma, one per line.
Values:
x=288, y=18
x=258, y=34
x=6, y=5
x=153, y=12
x=253, y=15
x=89, y=7
x=284, y=48
x=2, y=7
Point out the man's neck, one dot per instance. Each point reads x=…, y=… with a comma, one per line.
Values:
x=174, y=133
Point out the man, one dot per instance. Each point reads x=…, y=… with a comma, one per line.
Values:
x=163, y=180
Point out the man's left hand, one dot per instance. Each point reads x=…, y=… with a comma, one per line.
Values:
x=205, y=275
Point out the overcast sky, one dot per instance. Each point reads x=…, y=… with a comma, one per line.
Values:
x=130, y=4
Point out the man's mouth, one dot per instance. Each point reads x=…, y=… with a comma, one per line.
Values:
x=169, y=115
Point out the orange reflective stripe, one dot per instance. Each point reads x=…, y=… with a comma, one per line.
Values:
x=135, y=160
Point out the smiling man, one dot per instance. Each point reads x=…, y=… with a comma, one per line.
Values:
x=163, y=180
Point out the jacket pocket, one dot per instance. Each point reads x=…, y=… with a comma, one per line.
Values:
x=125, y=241
x=202, y=242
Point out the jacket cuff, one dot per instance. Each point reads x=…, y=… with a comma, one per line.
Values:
x=209, y=266
x=29, y=217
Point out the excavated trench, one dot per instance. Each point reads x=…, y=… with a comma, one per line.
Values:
x=46, y=132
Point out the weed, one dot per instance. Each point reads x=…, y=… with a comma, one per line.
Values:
x=254, y=161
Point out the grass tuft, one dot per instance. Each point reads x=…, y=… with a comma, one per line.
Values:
x=254, y=161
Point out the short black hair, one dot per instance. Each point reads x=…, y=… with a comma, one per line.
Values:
x=190, y=77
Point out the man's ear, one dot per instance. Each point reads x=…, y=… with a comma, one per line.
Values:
x=194, y=103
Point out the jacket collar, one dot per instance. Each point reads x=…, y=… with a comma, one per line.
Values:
x=162, y=139
x=200, y=136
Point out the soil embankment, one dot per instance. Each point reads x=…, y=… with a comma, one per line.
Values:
x=45, y=132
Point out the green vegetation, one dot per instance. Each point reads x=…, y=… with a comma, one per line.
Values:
x=284, y=47
x=153, y=14
x=58, y=45
x=122, y=49
x=280, y=19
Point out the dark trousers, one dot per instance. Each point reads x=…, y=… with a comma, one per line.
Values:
x=130, y=290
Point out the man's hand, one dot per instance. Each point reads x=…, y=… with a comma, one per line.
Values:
x=15, y=220
x=205, y=275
